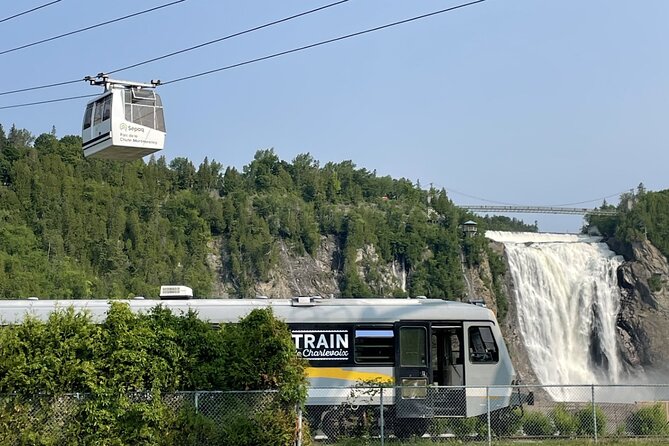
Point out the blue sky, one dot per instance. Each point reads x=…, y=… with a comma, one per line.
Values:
x=512, y=101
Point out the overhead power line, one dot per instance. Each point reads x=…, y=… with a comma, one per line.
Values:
x=271, y=56
x=230, y=36
x=90, y=27
x=29, y=11
x=324, y=42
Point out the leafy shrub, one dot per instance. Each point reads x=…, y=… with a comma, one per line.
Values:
x=506, y=422
x=124, y=368
x=565, y=423
x=655, y=283
x=650, y=420
x=268, y=428
x=193, y=428
x=586, y=421
x=464, y=428
x=537, y=424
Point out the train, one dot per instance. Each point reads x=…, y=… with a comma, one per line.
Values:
x=433, y=358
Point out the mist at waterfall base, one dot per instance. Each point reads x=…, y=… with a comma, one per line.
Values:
x=567, y=299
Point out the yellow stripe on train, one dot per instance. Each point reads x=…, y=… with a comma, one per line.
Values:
x=349, y=375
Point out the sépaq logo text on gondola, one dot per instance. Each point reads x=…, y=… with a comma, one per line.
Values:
x=131, y=128
x=322, y=344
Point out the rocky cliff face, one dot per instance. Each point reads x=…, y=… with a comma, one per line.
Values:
x=313, y=276
x=643, y=321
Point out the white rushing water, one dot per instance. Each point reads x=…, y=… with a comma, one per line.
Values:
x=567, y=301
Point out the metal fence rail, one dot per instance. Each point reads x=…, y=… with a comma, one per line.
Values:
x=553, y=413
x=382, y=415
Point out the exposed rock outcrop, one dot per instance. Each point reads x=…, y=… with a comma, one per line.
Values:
x=643, y=321
x=317, y=275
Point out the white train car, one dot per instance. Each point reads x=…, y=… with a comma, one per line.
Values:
x=437, y=357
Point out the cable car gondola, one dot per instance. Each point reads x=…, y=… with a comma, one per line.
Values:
x=126, y=122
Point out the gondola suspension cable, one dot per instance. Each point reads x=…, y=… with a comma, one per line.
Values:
x=90, y=27
x=324, y=42
x=28, y=11
x=282, y=53
x=48, y=101
x=230, y=36
x=165, y=56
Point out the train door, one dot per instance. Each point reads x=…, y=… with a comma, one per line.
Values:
x=447, y=369
x=412, y=369
x=483, y=344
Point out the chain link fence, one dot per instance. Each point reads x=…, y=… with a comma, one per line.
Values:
x=488, y=415
x=146, y=418
x=371, y=415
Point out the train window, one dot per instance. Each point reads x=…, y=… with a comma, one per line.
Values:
x=374, y=345
x=482, y=346
x=412, y=347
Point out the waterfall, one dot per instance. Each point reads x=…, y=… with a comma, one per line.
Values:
x=567, y=300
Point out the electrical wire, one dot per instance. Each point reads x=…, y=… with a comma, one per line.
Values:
x=294, y=50
x=29, y=11
x=324, y=42
x=256, y=28
x=90, y=27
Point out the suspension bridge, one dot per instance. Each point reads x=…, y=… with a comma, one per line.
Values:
x=539, y=210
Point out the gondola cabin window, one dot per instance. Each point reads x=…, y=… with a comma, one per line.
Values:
x=482, y=346
x=144, y=107
x=87, y=116
x=374, y=345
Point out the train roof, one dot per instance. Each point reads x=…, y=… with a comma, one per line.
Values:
x=295, y=310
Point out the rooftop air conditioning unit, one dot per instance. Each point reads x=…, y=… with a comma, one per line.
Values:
x=175, y=292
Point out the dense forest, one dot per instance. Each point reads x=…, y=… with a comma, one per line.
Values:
x=74, y=228
x=642, y=215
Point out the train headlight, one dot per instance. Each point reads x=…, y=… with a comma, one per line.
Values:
x=414, y=388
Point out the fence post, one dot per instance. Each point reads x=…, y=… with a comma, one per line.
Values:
x=382, y=420
x=197, y=402
x=299, y=425
x=487, y=402
x=594, y=412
